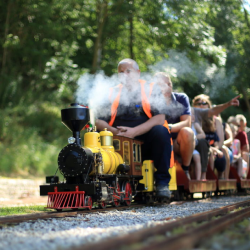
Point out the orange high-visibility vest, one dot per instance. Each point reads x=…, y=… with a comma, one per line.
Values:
x=146, y=108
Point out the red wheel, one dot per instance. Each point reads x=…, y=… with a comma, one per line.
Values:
x=128, y=193
x=88, y=202
x=116, y=203
x=102, y=204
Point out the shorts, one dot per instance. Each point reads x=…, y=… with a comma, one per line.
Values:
x=196, y=152
x=220, y=163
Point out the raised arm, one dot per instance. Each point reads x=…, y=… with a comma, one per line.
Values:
x=221, y=107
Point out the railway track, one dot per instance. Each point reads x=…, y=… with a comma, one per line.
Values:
x=197, y=227
x=71, y=213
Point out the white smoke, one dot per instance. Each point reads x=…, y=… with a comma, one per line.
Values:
x=94, y=90
x=208, y=76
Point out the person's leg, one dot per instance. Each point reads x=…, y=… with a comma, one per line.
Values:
x=197, y=164
x=184, y=145
x=245, y=156
x=239, y=167
x=220, y=165
x=227, y=157
x=203, y=175
x=158, y=147
x=211, y=160
x=203, y=148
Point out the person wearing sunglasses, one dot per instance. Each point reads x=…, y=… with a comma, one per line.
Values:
x=200, y=101
x=203, y=110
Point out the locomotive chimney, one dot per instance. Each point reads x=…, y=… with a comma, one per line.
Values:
x=75, y=118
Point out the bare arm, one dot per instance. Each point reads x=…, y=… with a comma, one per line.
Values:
x=101, y=125
x=199, y=130
x=229, y=136
x=219, y=131
x=245, y=148
x=216, y=151
x=239, y=152
x=185, y=121
x=221, y=107
x=142, y=128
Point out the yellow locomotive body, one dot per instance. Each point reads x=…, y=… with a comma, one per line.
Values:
x=148, y=170
x=102, y=143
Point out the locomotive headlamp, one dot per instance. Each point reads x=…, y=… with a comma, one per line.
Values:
x=71, y=140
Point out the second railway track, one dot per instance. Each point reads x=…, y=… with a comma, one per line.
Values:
x=148, y=239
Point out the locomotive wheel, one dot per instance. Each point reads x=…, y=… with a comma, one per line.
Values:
x=116, y=203
x=102, y=204
x=88, y=202
x=128, y=193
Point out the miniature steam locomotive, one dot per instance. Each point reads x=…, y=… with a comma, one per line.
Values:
x=105, y=170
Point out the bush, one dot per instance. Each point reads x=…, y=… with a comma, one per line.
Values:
x=30, y=140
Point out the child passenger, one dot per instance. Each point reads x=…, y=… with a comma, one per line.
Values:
x=215, y=153
x=238, y=162
x=242, y=136
x=199, y=134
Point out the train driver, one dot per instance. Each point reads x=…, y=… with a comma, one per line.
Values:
x=131, y=115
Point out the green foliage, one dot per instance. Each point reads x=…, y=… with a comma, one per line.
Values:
x=47, y=45
x=30, y=140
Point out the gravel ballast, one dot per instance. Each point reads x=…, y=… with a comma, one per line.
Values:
x=88, y=228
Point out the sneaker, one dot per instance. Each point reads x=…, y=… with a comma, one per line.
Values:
x=162, y=191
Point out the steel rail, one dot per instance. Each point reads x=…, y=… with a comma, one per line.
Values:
x=140, y=236
x=48, y=215
x=196, y=235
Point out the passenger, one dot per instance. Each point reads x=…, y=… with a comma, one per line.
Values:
x=199, y=134
x=203, y=112
x=179, y=120
x=242, y=136
x=238, y=162
x=132, y=116
x=232, y=119
x=216, y=155
x=228, y=140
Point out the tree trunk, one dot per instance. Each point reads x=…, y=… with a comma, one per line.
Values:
x=102, y=13
x=131, y=29
x=245, y=14
x=6, y=31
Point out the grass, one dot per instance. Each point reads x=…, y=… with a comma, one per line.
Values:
x=6, y=211
x=31, y=138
